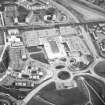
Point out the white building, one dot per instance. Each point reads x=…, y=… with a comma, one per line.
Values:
x=13, y=32
x=16, y=20
x=54, y=50
x=13, y=38
x=29, y=17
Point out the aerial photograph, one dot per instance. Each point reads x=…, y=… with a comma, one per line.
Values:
x=52, y=52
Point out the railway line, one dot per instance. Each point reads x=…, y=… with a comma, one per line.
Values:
x=56, y=25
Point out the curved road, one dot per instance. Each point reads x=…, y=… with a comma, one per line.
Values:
x=36, y=90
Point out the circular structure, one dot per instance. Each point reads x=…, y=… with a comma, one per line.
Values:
x=5, y=99
x=63, y=75
x=4, y=102
x=72, y=61
x=99, y=69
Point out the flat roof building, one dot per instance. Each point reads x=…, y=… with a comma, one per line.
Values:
x=54, y=50
x=54, y=46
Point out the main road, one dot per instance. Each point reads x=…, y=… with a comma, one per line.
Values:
x=36, y=90
x=48, y=26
